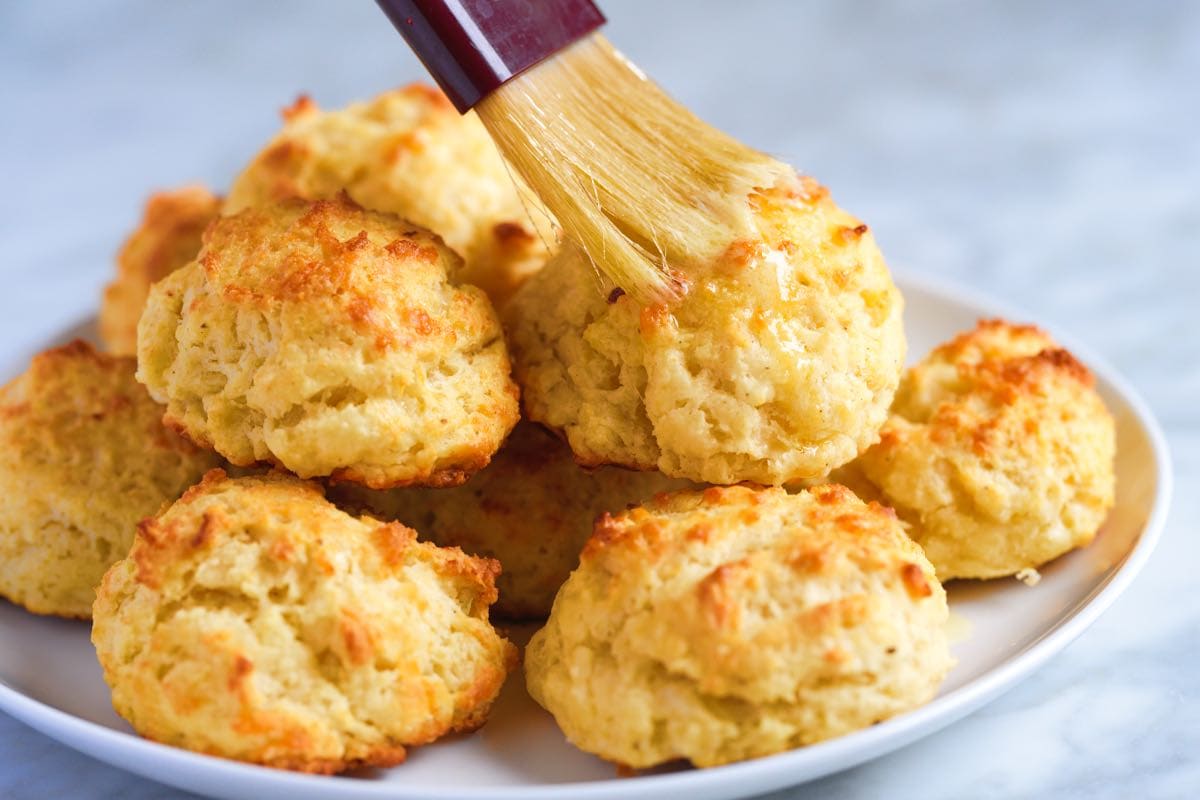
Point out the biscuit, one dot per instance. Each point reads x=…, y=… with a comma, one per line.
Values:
x=777, y=365
x=83, y=457
x=998, y=453
x=167, y=238
x=531, y=509
x=328, y=340
x=410, y=153
x=254, y=620
x=732, y=623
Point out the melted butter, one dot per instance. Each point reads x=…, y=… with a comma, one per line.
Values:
x=783, y=269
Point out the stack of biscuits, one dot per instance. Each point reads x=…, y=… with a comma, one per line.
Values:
x=367, y=402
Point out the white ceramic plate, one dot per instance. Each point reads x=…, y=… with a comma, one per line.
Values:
x=49, y=677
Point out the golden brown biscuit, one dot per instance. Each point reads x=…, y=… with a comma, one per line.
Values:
x=167, y=238
x=777, y=365
x=410, y=153
x=531, y=509
x=732, y=623
x=999, y=453
x=329, y=340
x=83, y=457
x=254, y=620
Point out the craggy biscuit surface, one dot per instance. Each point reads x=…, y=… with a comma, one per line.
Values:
x=531, y=509
x=167, y=238
x=329, y=340
x=732, y=623
x=83, y=456
x=999, y=453
x=777, y=365
x=255, y=621
x=410, y=153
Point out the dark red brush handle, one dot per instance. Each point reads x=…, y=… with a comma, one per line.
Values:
x=472, y=46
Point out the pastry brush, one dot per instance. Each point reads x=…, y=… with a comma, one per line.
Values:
x=648, y=190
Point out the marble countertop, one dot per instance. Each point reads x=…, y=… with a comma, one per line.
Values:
x=1044, y=152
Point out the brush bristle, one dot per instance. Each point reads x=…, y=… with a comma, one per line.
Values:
x=648, y=190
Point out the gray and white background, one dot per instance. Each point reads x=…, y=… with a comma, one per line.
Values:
x=1045, y=153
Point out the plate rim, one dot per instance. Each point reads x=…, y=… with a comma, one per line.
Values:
x=128, y=752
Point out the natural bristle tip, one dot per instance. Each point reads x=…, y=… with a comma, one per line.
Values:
x=647, y=189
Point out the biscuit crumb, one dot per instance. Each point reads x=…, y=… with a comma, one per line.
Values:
x=1028, y=576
